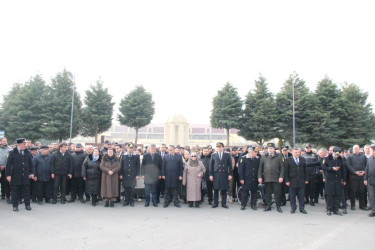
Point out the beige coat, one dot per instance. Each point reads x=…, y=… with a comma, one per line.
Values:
x=109, y=182
x=192, y=181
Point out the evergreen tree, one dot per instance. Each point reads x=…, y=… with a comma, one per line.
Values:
x=303, y=111
x=326, y=114
x=98, y=111
x=136, y=109
x=260, y=115
x=356, y=117
x=227, y=108
x=60, y=106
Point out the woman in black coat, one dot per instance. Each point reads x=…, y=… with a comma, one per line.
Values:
x=91, y=173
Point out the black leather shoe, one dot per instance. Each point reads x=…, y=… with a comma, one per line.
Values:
x=210, y=203
x=371, y=214
x=15, y=209
x=337, y=213
x=303, y=211
x=224, y=206
x=54, y=201
x=197, y=205
x=279, y=210
x=82, y=200
x=190, y=204
x=155, y=204
x=283, y=204
x=71, y=200
x=177, y=205
x=28, y=207
x=165, y=205
x=215, y=205
x=9, y=201
x=312, y=203
x=268, y=208
x=329, y=213
x=47, y=201
x=254, y=208
x=292, y=211
x=125, y=204
x=243, y=207
x=147, y=204
x=111, y=204
x=106, y=204
x=132, y=204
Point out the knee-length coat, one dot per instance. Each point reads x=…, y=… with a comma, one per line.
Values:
x=110, y=182
x=192, y=181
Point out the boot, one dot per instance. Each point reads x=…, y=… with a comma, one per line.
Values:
x=112, y=204
x=93, y=201
x=190, y=204
x=106, y=203
x=197, y=204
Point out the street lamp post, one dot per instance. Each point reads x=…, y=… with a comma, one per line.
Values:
x=294, y=82
x=71, y=114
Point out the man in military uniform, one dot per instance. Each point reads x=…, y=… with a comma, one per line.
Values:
x=312, y=164
x=19, y=170
x=271, y=170
x=248, y=172
x=220, y=174
x=129, y=174
x=334, y=167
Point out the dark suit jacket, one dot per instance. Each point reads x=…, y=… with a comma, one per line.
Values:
x=220, y=170
x=151, y=169
x=172, y=169
x=296, y=175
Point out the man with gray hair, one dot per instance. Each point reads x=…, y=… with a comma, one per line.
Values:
x=151, y=174
x=356, y=165
x=5, y=187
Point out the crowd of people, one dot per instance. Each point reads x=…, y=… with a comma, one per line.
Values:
x=123, y=173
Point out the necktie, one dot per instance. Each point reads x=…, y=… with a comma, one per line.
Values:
x=297, y=161
x=152, y=157
x=220, y=156
x=21, y=152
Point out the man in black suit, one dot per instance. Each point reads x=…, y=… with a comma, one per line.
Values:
x=19, y=170
x=220, y=173
x=172, y=171
x=151, y=174
x=296, y=177
x=161, y=186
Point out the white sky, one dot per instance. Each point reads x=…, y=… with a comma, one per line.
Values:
x=184, y=51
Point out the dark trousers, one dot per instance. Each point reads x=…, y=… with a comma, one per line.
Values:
x=151, y=188
x=5, y=187
x=161, y=189
x=43, y=190
x=245, y=197
x=236, y=183
x=167, y=195
x=78, y=186
x=357, y=188
x=33, y=190
x=59, y=183
x=129, y=194
x=319, y=187
x=333, y=202
x=300, y=193
x=275, y=189
x=223, y=197
x=371, y=196
x=310, y=188
x=209, y=191
x=19, y=191
x=282, y=192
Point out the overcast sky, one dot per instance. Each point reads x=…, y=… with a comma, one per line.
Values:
x=184, y=51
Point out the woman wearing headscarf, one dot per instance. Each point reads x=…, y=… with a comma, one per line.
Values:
x=91, y=174
x=192, y=179
x=110, y=166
